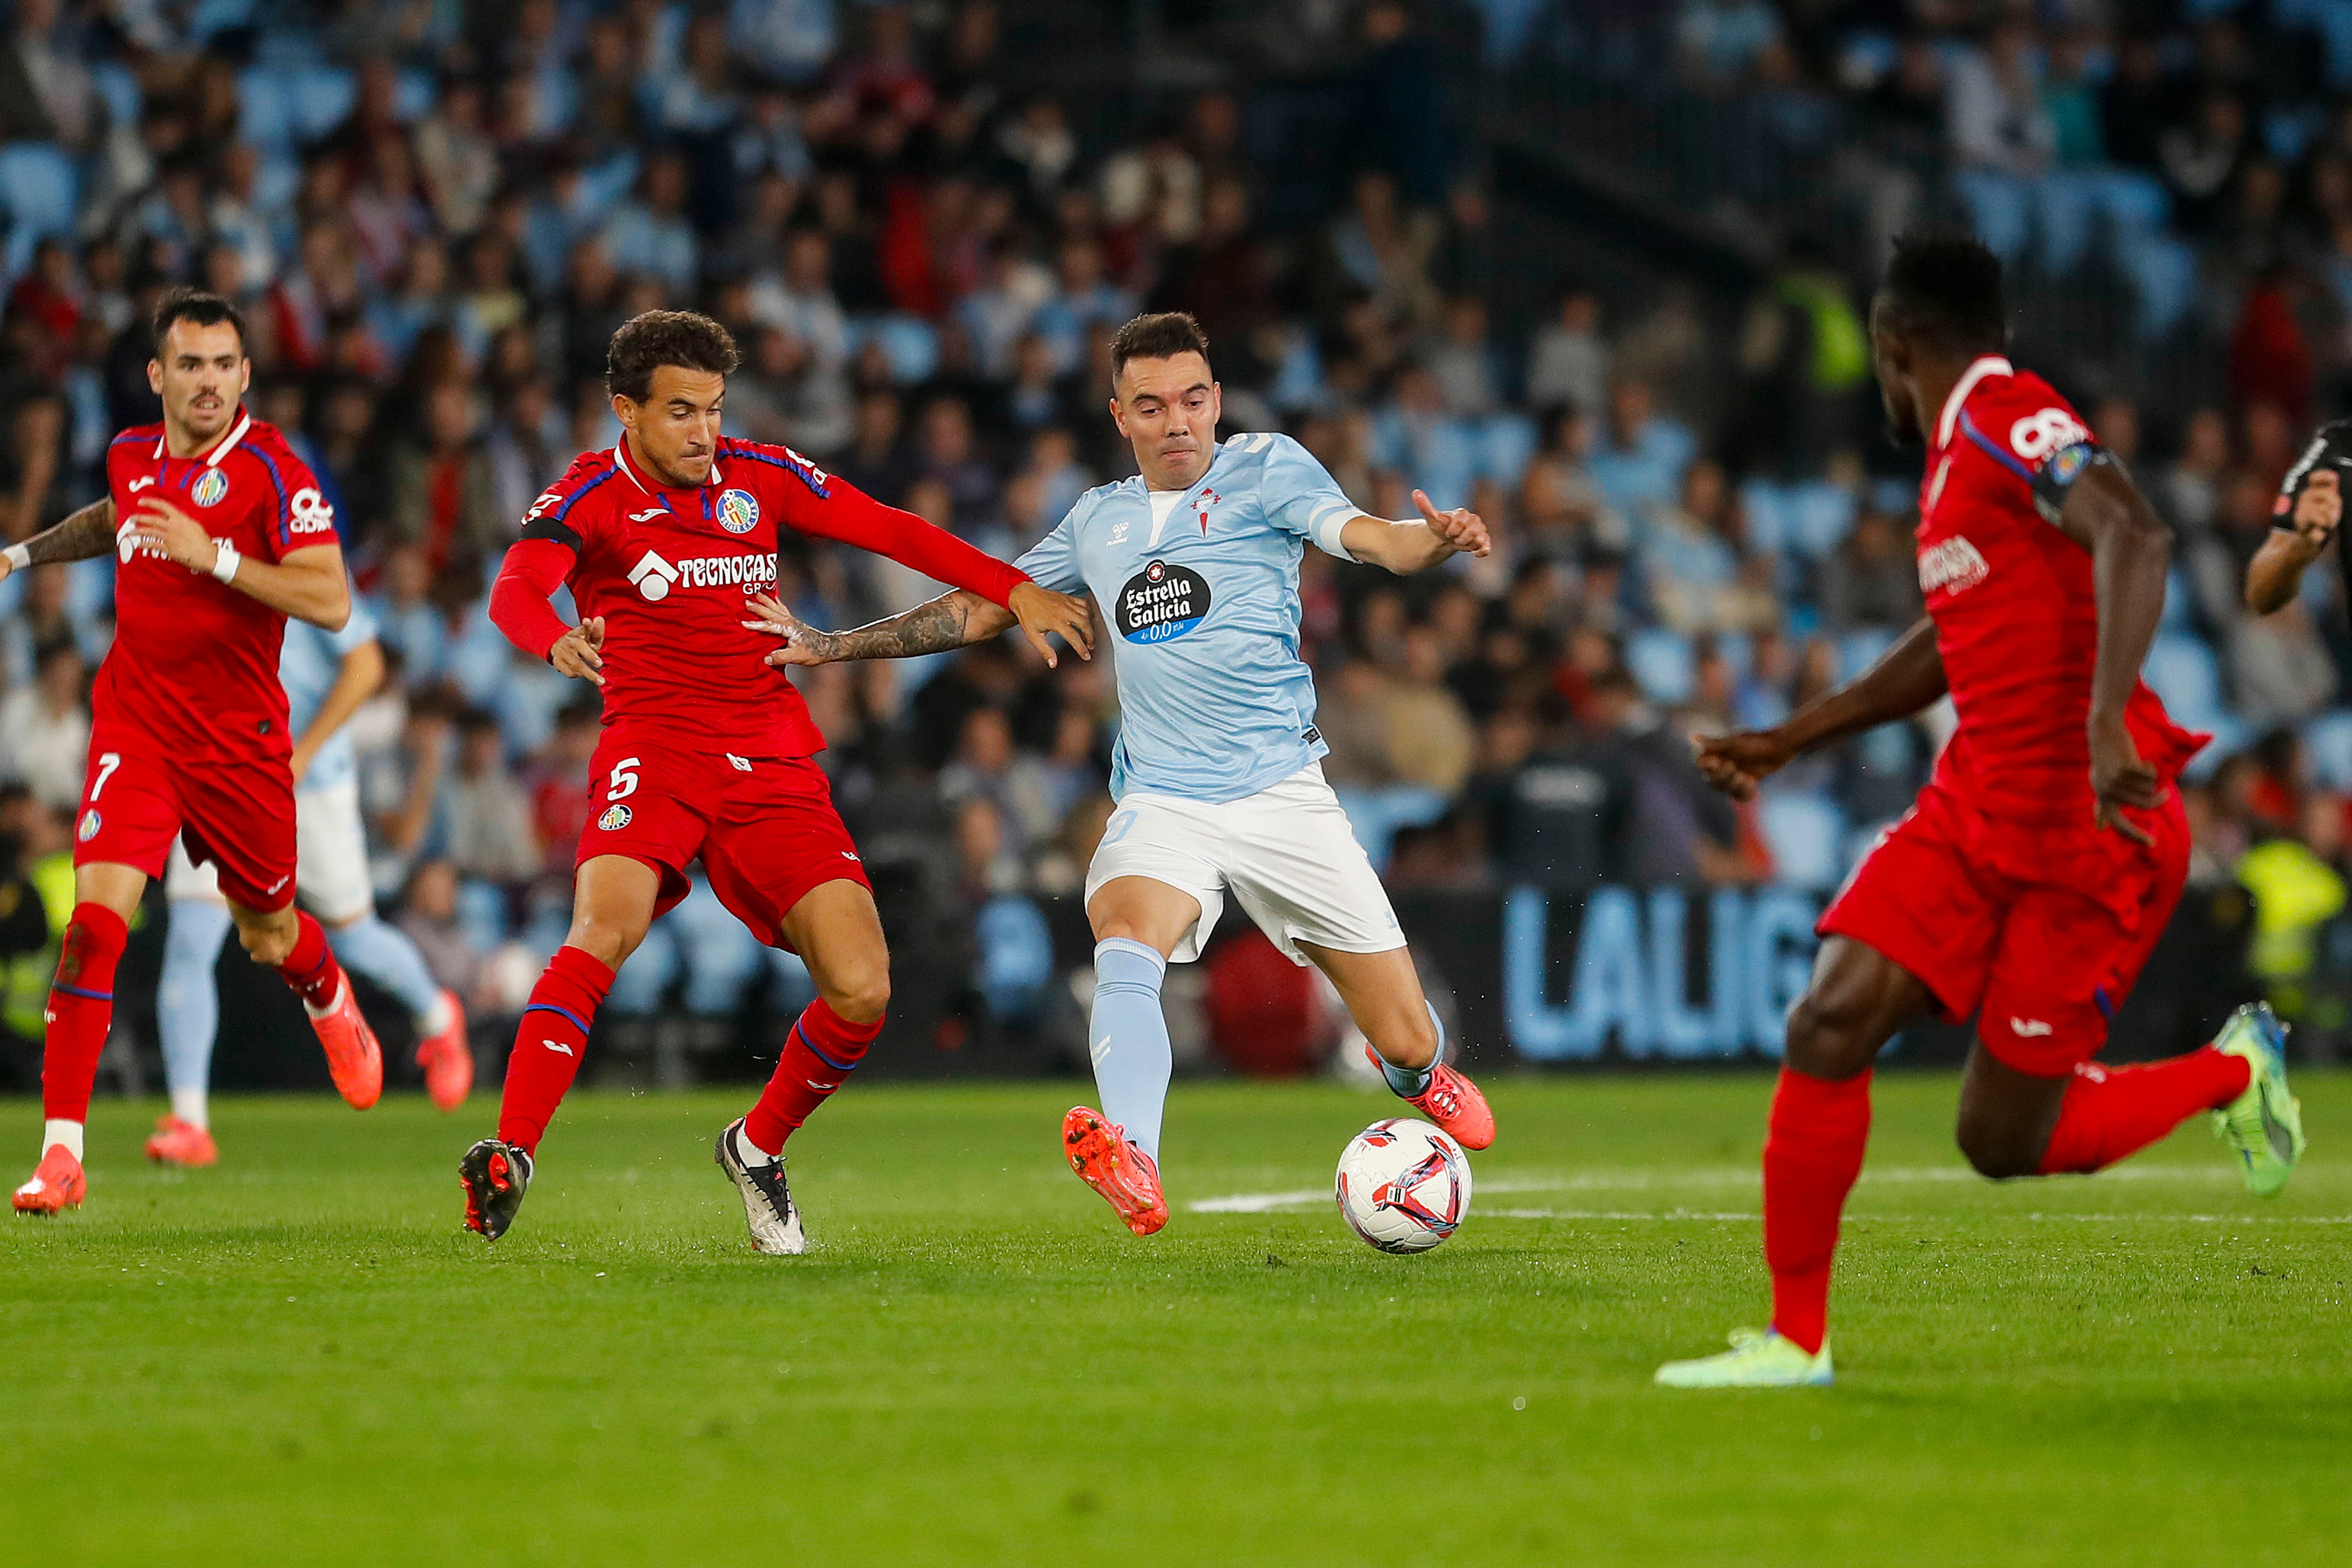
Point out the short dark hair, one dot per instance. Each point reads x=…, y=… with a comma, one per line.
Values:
x=201, y=306
x=1162, y=335
x=1946, y=285
x=683, y=338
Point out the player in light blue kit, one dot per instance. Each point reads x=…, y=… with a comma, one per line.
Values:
x=327, y=674
x=1195, y=564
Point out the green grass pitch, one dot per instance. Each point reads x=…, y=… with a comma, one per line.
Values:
x=298, y=1357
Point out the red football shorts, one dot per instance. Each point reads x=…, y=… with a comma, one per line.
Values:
x=765, y=826
x=237, y=815
x=2041, y=930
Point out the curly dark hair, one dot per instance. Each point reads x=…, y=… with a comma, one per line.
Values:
x=682, y=338
x=185, y=304
x=1946, y=285
x=1162, y=335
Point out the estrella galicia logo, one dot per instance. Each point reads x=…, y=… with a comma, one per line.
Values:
x=1162, y=601
x=738, y=512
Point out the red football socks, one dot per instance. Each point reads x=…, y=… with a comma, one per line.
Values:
x=2111, y=1112
x=549, y=1044
x=310, y=966
x=1813, y=1153
x=820, y=1054
x=82, y=1006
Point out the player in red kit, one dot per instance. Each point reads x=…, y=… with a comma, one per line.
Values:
x=2032, y=878
x=706, y=751
x=222, y=535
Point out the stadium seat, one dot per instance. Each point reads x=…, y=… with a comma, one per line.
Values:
x=1764, y=507
x=322, y=100
x=1510, y=441
x=2183, y=672
x=1820, y=514
x=38, y=190
x=910, y=343
x=2328, y=741
x=2179, y=608
x=1662, y=660
x=1859, y=649
x=2163, y=273
x=646, y=974
x=89, y=588
x=2000, y=209
x=720, y=955
x=482, y=914
x=1016, y=956
x=1375, y=815
x=1806, y=834
x=120, y=89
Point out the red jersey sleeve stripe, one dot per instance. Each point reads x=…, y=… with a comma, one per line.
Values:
x=285, y=514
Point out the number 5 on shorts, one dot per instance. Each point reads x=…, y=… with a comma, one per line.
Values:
x=624, y=779
x=106, y=763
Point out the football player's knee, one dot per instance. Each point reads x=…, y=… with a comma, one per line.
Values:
x=861, y=995
x=1408, y=1040
x=607, y=941
x=267, y=943
x=1829, y=1037
x=1995, y=1148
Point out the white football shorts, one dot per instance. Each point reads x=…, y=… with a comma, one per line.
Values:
x=330, y=866
x=1286, y=852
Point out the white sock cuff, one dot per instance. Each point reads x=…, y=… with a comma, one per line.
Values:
x=1129, y=944
x=189, y=1104
x=55, y=1131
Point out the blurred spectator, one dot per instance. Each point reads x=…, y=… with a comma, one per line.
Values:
x=1872, y=580
x=1569, y=362
x=490, y=834
x=428, y=916
x=45, y=728
x=986, y=766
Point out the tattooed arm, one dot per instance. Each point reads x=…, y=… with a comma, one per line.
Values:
x=87, y=533
x=949, y=621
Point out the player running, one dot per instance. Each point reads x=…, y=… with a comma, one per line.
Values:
x=2034, y=875
x=1195, y=562
x=224, y=535
x=327, y=676
x=2307, y=514
x=706, y=751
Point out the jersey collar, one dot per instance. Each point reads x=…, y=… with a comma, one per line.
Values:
x=621, y=457
x=222, y=445
x=1983, y=366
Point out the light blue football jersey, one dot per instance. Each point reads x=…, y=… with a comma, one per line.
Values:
x=1214, y=702
x=307, y=668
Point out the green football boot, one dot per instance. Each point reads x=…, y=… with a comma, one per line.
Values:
x=1756, y=1359
x=2264, y=1124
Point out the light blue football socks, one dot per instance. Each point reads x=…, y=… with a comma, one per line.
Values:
x=1129, y=1038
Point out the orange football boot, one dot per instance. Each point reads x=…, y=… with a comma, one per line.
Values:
x=1127, y=1177
x=447, y=1060
x=178, y=1142
x=58, y=1183
x=1453, y=1102
x=355, y=1061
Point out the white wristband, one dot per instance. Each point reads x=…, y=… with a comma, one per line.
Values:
x=225, y=565
x=19, y=556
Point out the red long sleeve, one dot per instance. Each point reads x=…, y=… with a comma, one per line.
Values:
x=533, y=570
x=853, y=517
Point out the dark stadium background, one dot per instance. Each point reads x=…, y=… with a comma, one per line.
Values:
x=1594, y=268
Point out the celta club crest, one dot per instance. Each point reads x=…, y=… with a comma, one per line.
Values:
x=738, y=512
x=1207, y=498
x=1400, y=1196
x=210, y=486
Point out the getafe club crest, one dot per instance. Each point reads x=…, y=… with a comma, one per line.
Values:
x=738, y=512
x=210, y=486
x=615, y=816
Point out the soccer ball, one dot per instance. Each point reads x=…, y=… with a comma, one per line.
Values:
x=1403, y=1185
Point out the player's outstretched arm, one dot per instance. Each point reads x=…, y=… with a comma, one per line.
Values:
x=2131, y=553
x=84, y=535
x=950, y=621
x=533, y=569
x=1417, y=543
x=308, y=583
x=1906, y=677
x=2276, y=573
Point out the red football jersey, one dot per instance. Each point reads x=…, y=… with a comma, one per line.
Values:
x=669, y=571
x=194, y=662
x=2016, y=615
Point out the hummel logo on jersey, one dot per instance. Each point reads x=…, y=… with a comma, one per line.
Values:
x=651, y=511
x=653, y=575
x=2028, y=1027
x=559, y=1046
x=1952, y=564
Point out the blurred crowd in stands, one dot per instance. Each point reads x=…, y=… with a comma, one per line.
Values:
x=436, y=214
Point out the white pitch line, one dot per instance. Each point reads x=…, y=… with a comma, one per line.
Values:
x=1932, y=1219
x=1636, y=1182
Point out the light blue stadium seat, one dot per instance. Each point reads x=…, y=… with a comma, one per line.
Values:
x=1510, y=441
x=796, y=989
x=2066, y=206
x=89, y=588
x=2328, y=741
x=1859, y=649
x=2182, y=670
x=1820, y=515
x=1375, y=815
x=910, y=343
x=721, y=957
x=120, y=89
x=213, y=17
x=322, y=100
x=1016, y=956
x=2000, y=209
x=1765, y=507
x=482, y=914
x=1662, y=661
x=1738, y=650
x=1806, y=833
x=2178, y=607
x=414, y=96
x=646, y=974
x=39, y=189
x=2163, y=273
